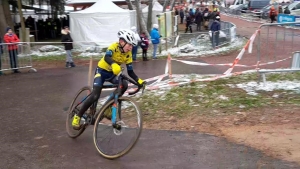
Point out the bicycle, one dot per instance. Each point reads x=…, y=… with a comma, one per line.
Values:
x=114, y=120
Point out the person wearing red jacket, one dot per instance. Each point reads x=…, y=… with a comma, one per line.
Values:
x=10, y=37
x=273, y=14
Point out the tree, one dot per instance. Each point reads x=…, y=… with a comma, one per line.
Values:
x=140, y=17
x=130, y=6
x=5, y=19
x=165, y=5
x=22, y=21
x=172, y=5
x=149, y=19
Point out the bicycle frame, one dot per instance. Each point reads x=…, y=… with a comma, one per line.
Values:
x=114, y=95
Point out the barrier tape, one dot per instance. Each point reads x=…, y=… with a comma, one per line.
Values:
x=227, y=64
x=168, y=72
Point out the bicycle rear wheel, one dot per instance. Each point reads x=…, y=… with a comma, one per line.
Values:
x=74, y=108
x=123, y=140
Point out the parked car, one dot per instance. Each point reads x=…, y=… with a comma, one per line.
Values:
x=237, y=3
x=261, y=12
x=242, y=8
x=257, y=4
x=294, y=8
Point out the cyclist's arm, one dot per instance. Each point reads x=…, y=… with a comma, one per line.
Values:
x=108, y=57
x=131, y=73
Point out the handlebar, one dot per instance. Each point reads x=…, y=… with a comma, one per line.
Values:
x=143, y=86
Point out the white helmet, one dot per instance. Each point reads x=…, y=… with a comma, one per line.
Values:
x=128, y=36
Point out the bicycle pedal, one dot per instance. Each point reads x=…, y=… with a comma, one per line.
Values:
x=117, y=126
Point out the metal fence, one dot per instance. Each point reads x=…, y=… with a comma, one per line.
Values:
x=203, y=40
x=275, y=42
x=272, y=48
x=14, y=57
x=20, y=56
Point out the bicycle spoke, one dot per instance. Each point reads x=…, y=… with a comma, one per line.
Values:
x=119, y=142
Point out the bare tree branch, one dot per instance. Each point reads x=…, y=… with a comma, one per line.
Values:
x=130, y=6
x=149, y=18
x=140, y=17
x=165, y=5
x=172, y=5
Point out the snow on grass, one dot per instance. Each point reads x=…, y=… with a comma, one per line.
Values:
x=252, y=87
x=203, y=49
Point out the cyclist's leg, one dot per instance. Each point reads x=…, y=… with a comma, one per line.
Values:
x=108, y=112
x=97, y=88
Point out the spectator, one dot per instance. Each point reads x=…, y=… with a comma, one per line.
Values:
x=135, y=48
x=155, y=39
x=181, y=13
x=198, y=20
x=176, y=12
x=66, y=37
x=144, y=45
x=1, y=52
x=273, y=14
x=10, y=37
x=215, y=31
x=280, y=10
x=287, y=11
x=188, y=23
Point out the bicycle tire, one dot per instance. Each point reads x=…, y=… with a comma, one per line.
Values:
x=69, y=128
x=99, y=118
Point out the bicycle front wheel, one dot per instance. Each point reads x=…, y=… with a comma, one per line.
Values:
x=74, y=108
x=113, y=142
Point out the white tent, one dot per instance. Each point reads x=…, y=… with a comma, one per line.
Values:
x=157, y=9
x=100, y=23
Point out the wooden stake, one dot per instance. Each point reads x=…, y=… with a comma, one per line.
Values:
x=90, y=71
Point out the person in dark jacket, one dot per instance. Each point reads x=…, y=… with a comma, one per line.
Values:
x=181, y=13
x=176, y=12
x=1, y=52
x=215, y=31
x=12, y=38
x=198, y=20
x=287, y=11
x=66, y=37
x=188, y=23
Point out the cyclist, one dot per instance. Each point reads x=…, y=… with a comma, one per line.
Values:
x=117, y=53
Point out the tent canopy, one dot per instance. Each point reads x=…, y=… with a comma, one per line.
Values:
x=156, y=7
x=100, y=23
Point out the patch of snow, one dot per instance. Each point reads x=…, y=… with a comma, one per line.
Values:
x=204, y=49
x=50, y=48
x=242, y=106
x=221, y=97
x=252, y=87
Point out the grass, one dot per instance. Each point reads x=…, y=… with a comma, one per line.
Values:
x=215, y=98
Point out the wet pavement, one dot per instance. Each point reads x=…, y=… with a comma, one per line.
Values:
x=33, y=132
